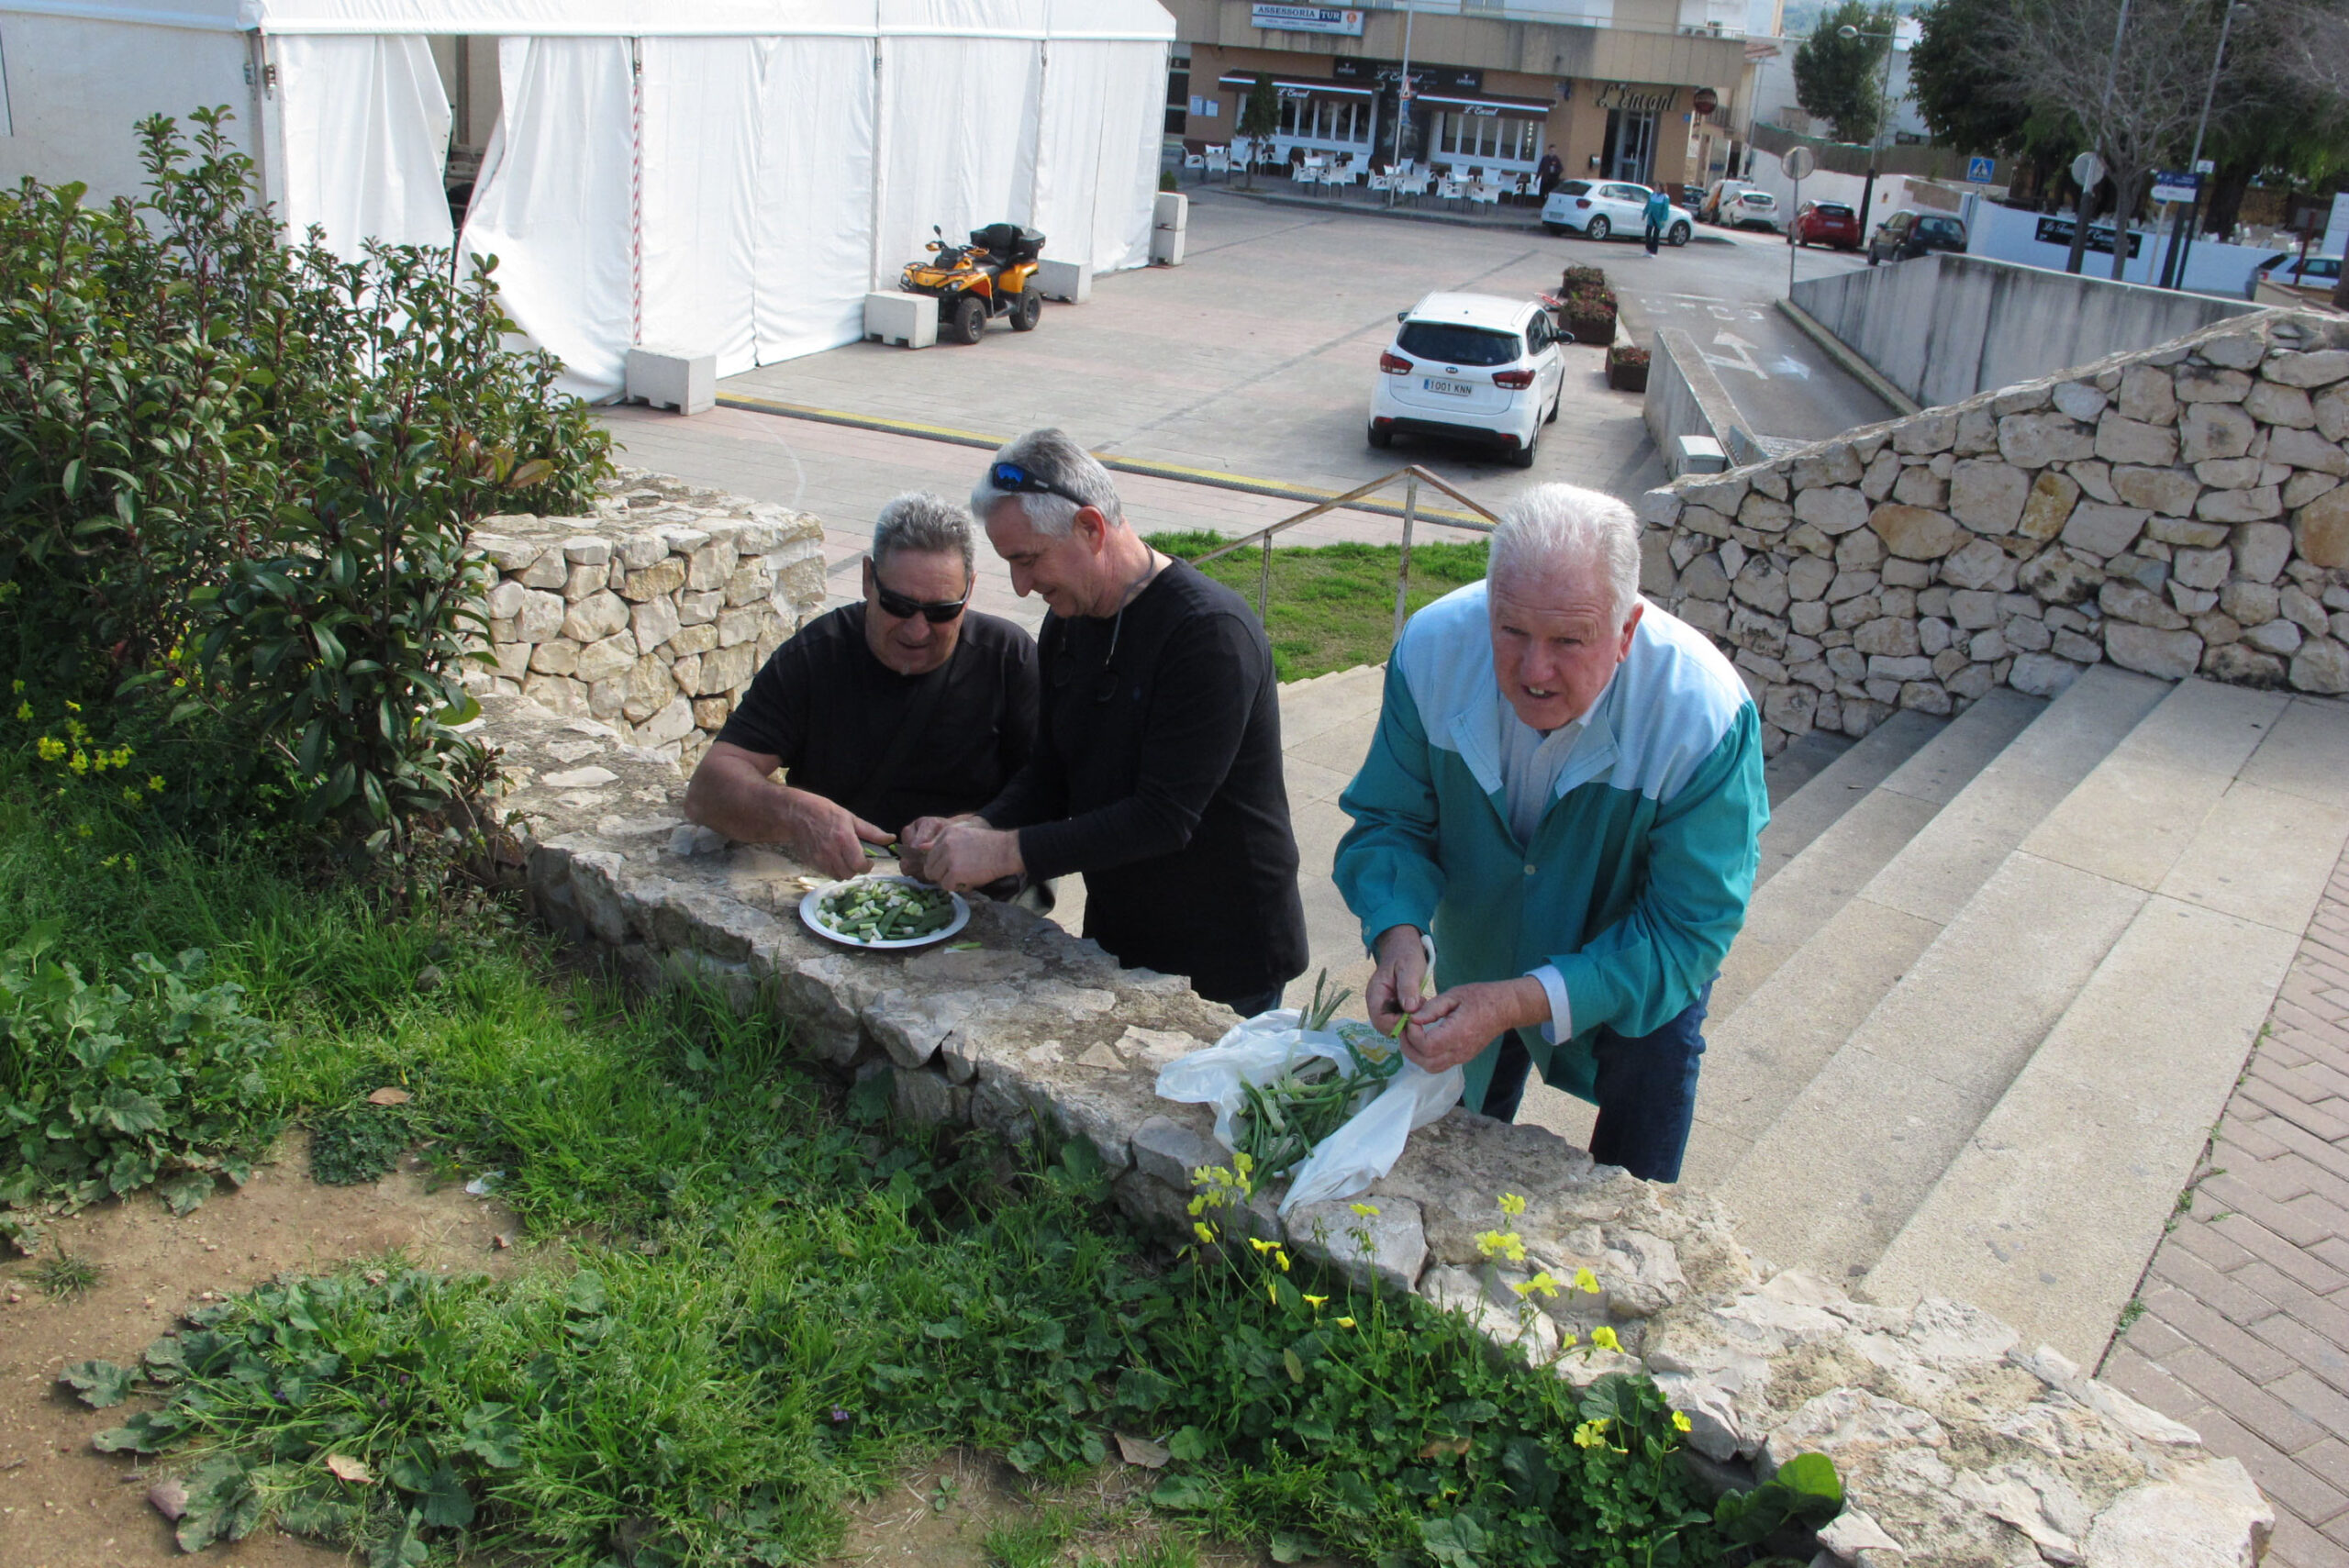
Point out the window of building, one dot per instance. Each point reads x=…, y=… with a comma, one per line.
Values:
x=1178, y=90
x=1325, y=120
x=1498, y=138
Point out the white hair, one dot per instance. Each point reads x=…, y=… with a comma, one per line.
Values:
x=923, y=523
x=1564, y=527
x=1051, y=456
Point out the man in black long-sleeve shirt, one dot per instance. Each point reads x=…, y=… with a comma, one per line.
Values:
x=1157, y=767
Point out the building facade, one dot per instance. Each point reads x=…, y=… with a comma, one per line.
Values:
x=1639, y=89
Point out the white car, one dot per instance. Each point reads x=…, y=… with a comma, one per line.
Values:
x=1751, y=209
x=1470, y=366
x=1597, y=208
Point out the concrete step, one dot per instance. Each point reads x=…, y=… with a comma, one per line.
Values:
x=1869, y=827
x=1814, y=806
x=2220, y=820
x=1771, y=1044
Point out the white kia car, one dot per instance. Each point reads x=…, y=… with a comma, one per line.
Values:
x=1597, y=208
x=1473, y=367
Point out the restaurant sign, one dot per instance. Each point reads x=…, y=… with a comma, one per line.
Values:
x=1306, y=19
x=1424, y=78
x=1636, y=97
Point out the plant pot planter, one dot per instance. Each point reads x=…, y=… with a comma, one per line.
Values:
x=1594, y=330
x=1626, y=377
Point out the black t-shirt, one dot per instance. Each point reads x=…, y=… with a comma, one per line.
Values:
x=829, y=710
x=1157, y=773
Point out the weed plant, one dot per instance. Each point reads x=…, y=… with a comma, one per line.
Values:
x=746, y=1298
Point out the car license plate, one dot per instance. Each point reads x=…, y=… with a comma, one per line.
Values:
x=1455, y=388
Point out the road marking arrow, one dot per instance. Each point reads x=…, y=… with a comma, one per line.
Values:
x=1739, y=355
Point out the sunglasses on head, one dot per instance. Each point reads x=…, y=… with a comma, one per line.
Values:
x=1014, y=480
x=905, y=608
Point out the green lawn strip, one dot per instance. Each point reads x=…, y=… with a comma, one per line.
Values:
x=1332, y=606
x=751, y=1299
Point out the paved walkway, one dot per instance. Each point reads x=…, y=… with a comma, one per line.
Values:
x=2244, y=1335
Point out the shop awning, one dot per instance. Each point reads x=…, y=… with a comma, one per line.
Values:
x=1320, y=85
x=1506, y=105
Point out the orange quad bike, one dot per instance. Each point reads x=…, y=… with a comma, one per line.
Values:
x=995, y=274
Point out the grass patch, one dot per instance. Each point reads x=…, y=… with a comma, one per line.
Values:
x=750, y=1298
x=1332, y=606
x=66, y=1276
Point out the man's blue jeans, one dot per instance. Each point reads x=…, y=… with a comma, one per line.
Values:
x=1646, y=1088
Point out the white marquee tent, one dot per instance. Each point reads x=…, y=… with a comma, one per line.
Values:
x=723, y=175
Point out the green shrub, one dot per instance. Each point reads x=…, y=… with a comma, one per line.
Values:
x=109, y=1088
x=238, y=476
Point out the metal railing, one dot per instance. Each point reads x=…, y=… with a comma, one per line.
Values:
x=1412, y=476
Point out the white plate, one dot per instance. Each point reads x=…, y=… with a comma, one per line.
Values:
x=810, y=906
x=1451, y=388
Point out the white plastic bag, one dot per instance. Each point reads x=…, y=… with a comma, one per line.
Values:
x=1260, y=1049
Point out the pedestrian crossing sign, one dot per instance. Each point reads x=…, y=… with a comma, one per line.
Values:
x=1978, y=171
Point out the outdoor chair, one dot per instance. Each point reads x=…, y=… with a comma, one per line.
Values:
x=1219, y=161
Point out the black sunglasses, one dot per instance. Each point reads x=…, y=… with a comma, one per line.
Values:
x=905, y=608
x=1015, y=480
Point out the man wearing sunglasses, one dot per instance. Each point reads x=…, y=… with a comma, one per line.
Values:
x=907, y=704
x=1157, y=768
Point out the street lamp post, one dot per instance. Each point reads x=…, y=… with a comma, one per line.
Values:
x=1884, y=113
x=1402, y=104
x=2181, y=238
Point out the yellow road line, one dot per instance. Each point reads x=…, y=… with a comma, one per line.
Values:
x=1147, y=468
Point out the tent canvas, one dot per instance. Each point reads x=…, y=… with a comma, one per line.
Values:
x=722, y=176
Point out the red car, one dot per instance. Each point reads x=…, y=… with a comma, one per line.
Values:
x=1829, y=223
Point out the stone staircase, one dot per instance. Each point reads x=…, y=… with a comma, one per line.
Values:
x=1995, y=983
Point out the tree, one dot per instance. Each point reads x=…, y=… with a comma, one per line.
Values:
x=1837, y=78
x=1968, y=101
x=1259, y=118
x=2131, y=79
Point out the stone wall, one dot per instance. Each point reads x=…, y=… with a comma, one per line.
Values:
x=2173, y=511
x=1960, y=1447
x=651, y=615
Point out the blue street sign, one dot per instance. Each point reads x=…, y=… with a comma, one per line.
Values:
x=1978, y=171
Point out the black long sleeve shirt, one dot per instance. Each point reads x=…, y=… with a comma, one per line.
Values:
x=1157, y=774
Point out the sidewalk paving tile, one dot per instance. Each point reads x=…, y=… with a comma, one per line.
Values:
x=2245, y=1330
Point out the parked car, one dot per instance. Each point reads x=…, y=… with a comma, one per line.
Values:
x=1751, y=209
x=1596, y=209
x=2287, y=269
x=1476, y=367
x=1907, y=235
x=1828, y=223
x=1718, y=196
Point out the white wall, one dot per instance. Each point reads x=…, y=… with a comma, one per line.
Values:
x=2004, y=234
x=77, y=88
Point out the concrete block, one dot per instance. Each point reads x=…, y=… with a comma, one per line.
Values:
x=1166, y=246
x=1068, y=282
x=909, y=320
x=1170, y=209
x=671, y=378
x=1698, y=454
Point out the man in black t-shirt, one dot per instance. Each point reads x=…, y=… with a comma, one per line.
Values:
x=1157, y=768
x=908, y=705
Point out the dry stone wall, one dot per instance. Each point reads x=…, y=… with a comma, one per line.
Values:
x=1960, y=1446
x=651, y=615
x=2177, y=511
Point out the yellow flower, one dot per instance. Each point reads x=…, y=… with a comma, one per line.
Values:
x=1512, y=1204
x=1587, y=1282
x=1540, y=1282
x=1260, y=1244
x=73, y=706
x=83, y=830
x=1680, y=1422
x=23, y=711
x=1197, y=1204
x=1345, y=1322
x=1502, y=1243
x=81, y=764
x=1604, y=1338
x=50, y=749
x=1366, y=1210
x=1281, y=1258
x=1271, y=1294
x=155, y=783
x=1316, y=1302
x=1591, y=1434
x=1201, y=1230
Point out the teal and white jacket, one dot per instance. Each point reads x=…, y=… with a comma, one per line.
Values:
x=1639, y=873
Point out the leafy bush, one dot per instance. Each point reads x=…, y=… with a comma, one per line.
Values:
x=106, y=1089
x=239, y=474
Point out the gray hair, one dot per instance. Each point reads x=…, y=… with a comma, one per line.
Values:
x=1053, y=457
x=1555, y=526
x=925, y=524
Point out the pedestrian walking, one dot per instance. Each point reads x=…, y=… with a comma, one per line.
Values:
x=1658, y=213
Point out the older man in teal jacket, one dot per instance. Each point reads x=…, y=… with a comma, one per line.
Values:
x=1565, y=789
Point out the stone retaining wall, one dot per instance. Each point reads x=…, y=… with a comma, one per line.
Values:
x=651, y=615
x=2177, y=510
x=1960, y=1447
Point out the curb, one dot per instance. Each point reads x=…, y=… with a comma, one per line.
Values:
x=1178, y=472
x=1858, y=369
